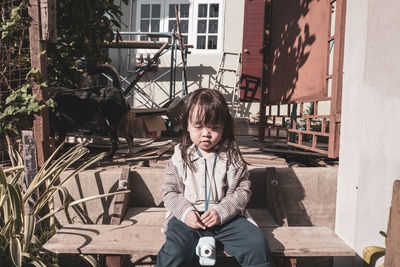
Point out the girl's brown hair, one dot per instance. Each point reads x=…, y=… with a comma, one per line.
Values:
x=212, y=109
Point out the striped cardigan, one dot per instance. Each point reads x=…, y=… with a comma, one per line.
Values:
x=235, y=200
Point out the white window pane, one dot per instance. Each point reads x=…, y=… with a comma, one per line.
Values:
x=201, y=42
x=171, y=12
x=184, y=11
x=184, y=26
x=214, y=8
x=212, y=42
x=171, y=25
x=144, y=26
x=155, y=26
x=213, y=26
x=145, y=11
x=155, y=11
x=202, y=11
x=202, y=26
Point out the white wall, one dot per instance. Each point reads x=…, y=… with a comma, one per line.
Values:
x=370, y=132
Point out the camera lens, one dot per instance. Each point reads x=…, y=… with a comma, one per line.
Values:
x=206, y=251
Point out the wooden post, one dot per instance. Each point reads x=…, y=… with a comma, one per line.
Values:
x=39, y=61
x=265, y=69
x=29, y=152
x=30, y=162
x=392, y=257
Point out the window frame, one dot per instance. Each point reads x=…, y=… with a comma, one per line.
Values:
x=192, y=25
x=220, y=34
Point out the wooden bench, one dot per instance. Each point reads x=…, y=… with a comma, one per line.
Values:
x=137, y=230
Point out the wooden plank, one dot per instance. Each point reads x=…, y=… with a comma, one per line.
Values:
x=392, y=257
x=147, y=240
x=121, y=201
x=138, y=44
x=313, y=241
x=48, y=20
x=107, y=239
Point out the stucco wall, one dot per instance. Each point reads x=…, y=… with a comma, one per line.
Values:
x=369, y=154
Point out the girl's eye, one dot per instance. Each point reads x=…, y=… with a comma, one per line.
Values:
x=215, y=127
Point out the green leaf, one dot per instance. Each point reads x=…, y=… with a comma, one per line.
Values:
x=3, y=242
x=32, y=71
x=76, y=202
x=3, y=180
x=29, y=229
x=15, y=251
x=16, y=206
x=34, y=260
x=91, y=260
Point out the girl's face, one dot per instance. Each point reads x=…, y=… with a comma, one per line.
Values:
x=205, y=137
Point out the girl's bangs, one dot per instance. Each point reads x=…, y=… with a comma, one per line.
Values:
x=207, y=113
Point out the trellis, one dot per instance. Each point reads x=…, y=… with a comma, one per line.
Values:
x=14, y=47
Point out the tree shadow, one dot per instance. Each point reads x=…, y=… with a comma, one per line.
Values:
x=290, y=48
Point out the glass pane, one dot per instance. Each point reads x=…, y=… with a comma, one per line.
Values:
x=214, y=10
x=184, y=26
x=201, y=42
x=329, y=87
x=145, y=11
x=212, y=42
x=171, y=12
x=155, y=26
x=185, y=39
x=184, y=11
x=202, y=26
x=143, y=38
x=155, y=11
x=144, y=26
x=333, y=18
x=172, y=25
x=331, y=49
x=202, y=11
x=213, y=26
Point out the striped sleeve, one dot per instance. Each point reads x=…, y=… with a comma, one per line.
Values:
x=172, y=192
x=237, y=196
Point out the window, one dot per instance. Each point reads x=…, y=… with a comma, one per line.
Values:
x=184, y=18
x=207, y=26
x=150, y=19
x=200, y=21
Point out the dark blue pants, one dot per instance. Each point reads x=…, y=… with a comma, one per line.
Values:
x=240, y=238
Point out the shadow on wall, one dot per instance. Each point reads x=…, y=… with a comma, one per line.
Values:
x=291, y=47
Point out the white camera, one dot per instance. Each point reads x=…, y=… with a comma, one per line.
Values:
x=206, y=251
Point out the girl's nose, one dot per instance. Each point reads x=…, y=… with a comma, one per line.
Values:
x=205, y=131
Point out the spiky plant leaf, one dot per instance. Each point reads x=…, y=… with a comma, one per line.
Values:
x=16, y=208
x=91, y=260
x=76, y=202
x=29, y=229
x=15, y=251
x=33, y=260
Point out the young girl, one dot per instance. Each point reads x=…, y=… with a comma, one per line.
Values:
x=206, y=188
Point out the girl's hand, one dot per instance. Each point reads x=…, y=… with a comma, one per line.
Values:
x=210, y=218
x=192, y=219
